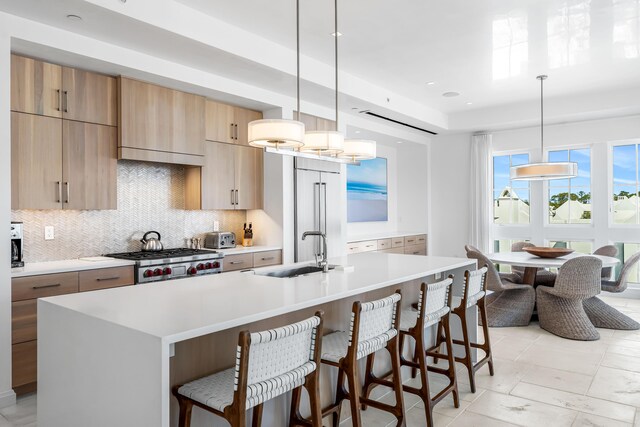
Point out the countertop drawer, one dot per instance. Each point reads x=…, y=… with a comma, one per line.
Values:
x=104, y=278
x=410, y=240
x=384, y=244
x=25, y=363
x=421, y=239
x=415, y=250
x=353, y=248
x=24, y=324
x=369, y=245
x=261, y=259
x=46, y=285
x=397, y=242
x=237, y=262
x=399, y=250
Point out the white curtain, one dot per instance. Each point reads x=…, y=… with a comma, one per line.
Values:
x=481, y=192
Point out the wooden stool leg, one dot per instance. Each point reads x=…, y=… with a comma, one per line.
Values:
x=397, y=379
x=354, y=395
x=313, y=388
x=451, y=359
x=256, y=420
x=185, y=413
x=368, y=379
x=294, y=413
x=486, y=346
x=424, y=379
x=438, y=342
x=340, y=395
x=467, y=350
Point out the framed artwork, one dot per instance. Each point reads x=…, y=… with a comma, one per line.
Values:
x=367, y=198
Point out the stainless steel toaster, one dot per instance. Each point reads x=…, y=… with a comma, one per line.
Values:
x=220, y=240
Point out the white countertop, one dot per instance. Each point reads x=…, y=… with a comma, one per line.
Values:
x=247, y=250
x=177, y=310
x=49, y=267
x=382, y=235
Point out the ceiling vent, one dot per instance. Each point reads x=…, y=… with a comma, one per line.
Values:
x=398, y=122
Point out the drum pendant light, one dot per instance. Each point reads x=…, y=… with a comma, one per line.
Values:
x=327, y=142
x=544, y=170
x=281, y=133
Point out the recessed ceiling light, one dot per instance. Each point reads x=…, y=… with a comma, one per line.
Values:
x=469, y=103
x=450, y=94
x=338, y=34
x=399, y=142
x=354, y=108
x=74, y=17
x=357, y=131
x=430, y=83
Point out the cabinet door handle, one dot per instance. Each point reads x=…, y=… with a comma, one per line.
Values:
x=59, y=107
x=231, y=130
x=369, y=246
x=232, y=201
x=103, y=279
x=236, y=126
x=53, y=285
x=59, y=184
x=236, y=262
x=237, y=197
x=67, y=187
x=269, y=258
x=65, y=101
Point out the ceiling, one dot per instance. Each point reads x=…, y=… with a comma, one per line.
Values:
x=490, y=51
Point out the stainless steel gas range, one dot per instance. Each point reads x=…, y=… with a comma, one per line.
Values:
x=167, y=264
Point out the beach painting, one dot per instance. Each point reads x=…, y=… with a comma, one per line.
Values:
x=367, y=198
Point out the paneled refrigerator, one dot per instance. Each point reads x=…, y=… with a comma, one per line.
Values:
x=317, y=207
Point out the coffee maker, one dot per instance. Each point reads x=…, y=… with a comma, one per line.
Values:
x=17, y=252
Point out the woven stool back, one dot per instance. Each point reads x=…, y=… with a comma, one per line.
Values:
x=376, y=324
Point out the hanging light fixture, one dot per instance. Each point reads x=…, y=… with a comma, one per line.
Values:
x=281, y=133
x=544, y=170
x=327, y=142
x=356, y=150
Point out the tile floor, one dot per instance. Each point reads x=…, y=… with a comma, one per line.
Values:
x=541, y=380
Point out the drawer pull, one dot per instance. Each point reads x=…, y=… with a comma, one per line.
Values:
x=236, y=262
x=369, y=246
x=101, y=279
x=53, y=285
x=416, y=252
x=269, y=258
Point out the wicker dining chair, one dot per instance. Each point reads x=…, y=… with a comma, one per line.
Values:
x=601, y=314
x=511, y=277
x=509, y=303
x=268, y=364
x=610, y=251
x=543, y=277
x=560, y=309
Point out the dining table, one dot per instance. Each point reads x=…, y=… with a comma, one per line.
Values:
x=532, y=263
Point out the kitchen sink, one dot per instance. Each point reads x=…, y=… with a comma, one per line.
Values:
x=293, y=272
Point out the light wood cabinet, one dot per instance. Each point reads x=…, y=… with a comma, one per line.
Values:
x=36, y=87
x=105, y=278
x=231, y=178
x=45, y=285
x=89, y=172
x=263, y=259
x=226, y=123
x=411, y=245
x=237, y=262
x=89, y=97
x=159, y=124
x=36, y=162
x=313, y=123
x=24, y=364
x=384, y=244
x=45, y=89
x=24, y=321
x=61, y=164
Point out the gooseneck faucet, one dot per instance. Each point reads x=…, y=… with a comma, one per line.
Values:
x=322, y=263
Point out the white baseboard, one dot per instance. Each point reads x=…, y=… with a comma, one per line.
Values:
x=7, y=398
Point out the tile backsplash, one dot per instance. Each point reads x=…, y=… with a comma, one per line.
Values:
x=150, y=197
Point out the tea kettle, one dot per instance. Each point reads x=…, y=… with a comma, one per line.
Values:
x=151, y=244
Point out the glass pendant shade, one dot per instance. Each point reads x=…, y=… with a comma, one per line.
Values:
x=544, y=171
x=323, y=142
x=358, y=149
x=276, y=133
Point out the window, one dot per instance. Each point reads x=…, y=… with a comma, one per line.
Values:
x=504, y=245
x=626, y=185
x=510, y=198
x=578, y=246
x=625, y=251
x=568, y=31
x=570, y=199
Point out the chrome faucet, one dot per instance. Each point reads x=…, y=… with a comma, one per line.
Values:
x=323, y=262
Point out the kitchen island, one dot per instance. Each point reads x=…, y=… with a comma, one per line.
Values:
x=109, y=358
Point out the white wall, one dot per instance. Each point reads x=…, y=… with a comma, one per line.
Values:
x=7, y=396
x=413, y=187
x=449, y=198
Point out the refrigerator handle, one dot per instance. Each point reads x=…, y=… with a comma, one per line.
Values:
x=323, y=200
x=316, y=215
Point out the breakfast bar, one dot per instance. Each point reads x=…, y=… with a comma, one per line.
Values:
x=131, y=345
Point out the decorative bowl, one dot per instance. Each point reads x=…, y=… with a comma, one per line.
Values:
x=544, y=252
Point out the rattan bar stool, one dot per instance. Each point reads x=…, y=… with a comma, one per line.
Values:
x=374, y=326
x=268, y=364
x=434, y=308
x=474, y=294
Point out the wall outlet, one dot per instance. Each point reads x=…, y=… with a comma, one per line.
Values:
x=438, y=276
x=49, y=233
x=216, y=225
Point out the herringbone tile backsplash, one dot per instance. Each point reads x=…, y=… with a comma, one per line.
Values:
x=150, y=197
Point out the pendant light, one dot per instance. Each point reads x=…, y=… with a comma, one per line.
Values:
x=281, y=133
x=327, y=142
x=357, y=150
x=545, y=170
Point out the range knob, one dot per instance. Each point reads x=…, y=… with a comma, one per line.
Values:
x=200, y=266
x=147, y=273
x=157, y=272
x=191, y=271
x=167, y=270
x=216, y=264
x=208, y=266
